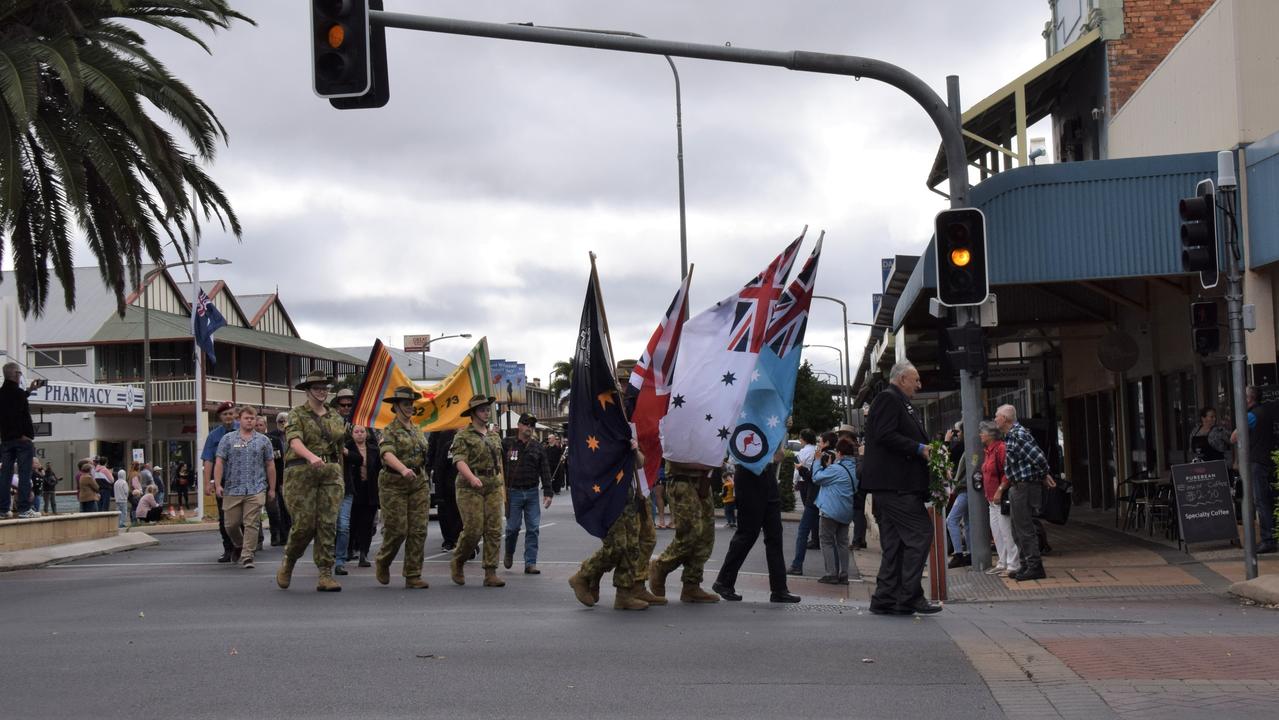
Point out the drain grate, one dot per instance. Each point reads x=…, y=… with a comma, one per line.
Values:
x=819, y=608
x=1094, y=621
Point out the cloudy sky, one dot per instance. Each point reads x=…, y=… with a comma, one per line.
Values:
x=470, y=202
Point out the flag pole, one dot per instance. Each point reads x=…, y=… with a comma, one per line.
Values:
x=201, y=419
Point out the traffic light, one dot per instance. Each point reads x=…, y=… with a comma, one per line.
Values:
x=1203, y=327
x=349, y=56
x=961, y=257
x=1199, y=234
x=966, y=349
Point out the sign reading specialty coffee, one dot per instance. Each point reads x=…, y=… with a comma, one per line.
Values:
x=84, y=395
x=1205, y=507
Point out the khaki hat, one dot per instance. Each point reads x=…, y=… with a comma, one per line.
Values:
x=345, y=392
x=313, y=377
x=846, y=428
x=477, y=402
x=403, y=392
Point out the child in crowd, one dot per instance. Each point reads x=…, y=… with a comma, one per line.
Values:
x=730, y=502
x=121, y=489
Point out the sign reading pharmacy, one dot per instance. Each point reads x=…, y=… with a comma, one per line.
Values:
x=84, y=395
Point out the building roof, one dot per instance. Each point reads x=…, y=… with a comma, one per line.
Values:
x=410, y=363
x=1095, y=220
x=167, y=326
x=94, y=303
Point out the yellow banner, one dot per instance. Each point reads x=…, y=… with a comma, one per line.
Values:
x=438, y=406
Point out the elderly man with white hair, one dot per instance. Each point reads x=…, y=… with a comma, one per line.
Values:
x=894, y=471
x=1027, y=470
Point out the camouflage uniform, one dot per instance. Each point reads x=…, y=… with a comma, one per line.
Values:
x=315, y=494
x=646, y=540
x=694, y=522
x=622, y=551
x=481, y=509
x=405, y=503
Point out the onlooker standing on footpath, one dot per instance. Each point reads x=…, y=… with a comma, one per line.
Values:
x=87, y=486
x=16, y=446
x=146, y=477
x=806, y=536
x=106, y=484
x=1261, y=443
x=858, y=541
x=50, y=483
x=526, y=471
x=896, y=474
x=957, y=518
x=836, y=480
x=1027, y=470
x=226, y=414
x=995, y=485
x=122, y=499
x=244, y=480
x=182, y=481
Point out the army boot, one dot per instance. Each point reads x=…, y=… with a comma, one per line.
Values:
x=693, y=593
x=657, y=578
x=382, y=572
x=595, y=589
x=284, y=575
x=326, y=583
x=492, y=580
x=455, y=570
x=416, y=583
x=626, y=600
x=582, y=589
x=638, y=590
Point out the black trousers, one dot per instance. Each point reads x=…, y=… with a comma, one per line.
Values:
x=859, y=517
x=759, y=507
x=446, y=514
x=362, y=528
x=905, y=535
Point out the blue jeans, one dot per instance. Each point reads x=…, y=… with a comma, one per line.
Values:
x=523, y=505
x=806, y=524
x=36, y=502
x=1263, y=499
x=88, y=506
x=344, y=530
x=958, y=513
x=123, y=507
x=19, y=452
x=730, y=513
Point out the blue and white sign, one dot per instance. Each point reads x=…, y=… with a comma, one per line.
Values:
x=84, y=395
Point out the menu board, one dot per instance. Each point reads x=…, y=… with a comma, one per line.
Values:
x=1205, y=507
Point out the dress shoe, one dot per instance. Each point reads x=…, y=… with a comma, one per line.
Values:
x=827, y=580
x=859, y=545
x=883, y=610
x=959, y=560
x=794, y=571
x=813, y=546
x=364, y=560
x=923, y=607
x=841, y=580
x=226, y=557
x=531, y=569
x=1030, y=574
x=726, y=592
x=339, y=570
x=783, y=597
x=508, y=560
x=448, y=546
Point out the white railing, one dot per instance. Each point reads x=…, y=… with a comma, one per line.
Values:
x=172, y=391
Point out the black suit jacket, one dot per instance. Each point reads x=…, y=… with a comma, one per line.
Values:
x=894, y=433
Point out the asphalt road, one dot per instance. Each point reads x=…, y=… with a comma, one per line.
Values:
x=166, y=632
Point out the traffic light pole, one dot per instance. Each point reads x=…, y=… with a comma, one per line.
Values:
x=1238, y=368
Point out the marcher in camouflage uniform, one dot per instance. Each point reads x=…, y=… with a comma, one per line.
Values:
x=688, y=491
x=477, y=454
x=313, y=481
x=404, y=492
x=627, y=546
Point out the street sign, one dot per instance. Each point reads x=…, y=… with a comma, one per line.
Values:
x=1205, y=507
x=417, y=343
x=138, y=456
x=43, y=429
x=86, y=395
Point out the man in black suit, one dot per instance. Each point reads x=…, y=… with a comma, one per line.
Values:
x=895, y=472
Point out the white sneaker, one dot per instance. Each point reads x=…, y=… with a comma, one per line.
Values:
x=29, y=514
x=995, y=570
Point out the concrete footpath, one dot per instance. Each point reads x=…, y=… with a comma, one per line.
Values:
x=54, y=554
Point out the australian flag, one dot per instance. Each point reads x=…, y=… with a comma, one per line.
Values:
x=601, y=463
x=207, y=322
x=762, y=424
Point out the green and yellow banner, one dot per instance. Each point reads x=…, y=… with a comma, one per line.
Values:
x=438, y=407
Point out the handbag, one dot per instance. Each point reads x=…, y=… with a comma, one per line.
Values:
x=1006, y=504
x=1055, y=507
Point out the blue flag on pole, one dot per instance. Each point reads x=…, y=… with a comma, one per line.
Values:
x=601, y=464
x=761, y=427
x=207, y=322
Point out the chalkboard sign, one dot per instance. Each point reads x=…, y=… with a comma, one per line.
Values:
x=1205, y=508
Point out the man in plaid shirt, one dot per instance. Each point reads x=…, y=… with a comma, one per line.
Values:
x=1027, y=470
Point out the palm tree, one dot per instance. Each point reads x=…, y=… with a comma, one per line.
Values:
x=79, y=151
x=561, y=379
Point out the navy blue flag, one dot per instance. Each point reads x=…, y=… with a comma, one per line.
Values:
x=601, y=463
x=207, y=322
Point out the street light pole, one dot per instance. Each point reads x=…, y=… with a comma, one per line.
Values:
x=848, y=376
x=679, y=138
x=427, y=347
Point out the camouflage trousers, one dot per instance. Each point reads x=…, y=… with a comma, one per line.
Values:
x=406, y=505
x=627, y=547
x=315, y=494
x=694, y=530
x=481, y=512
